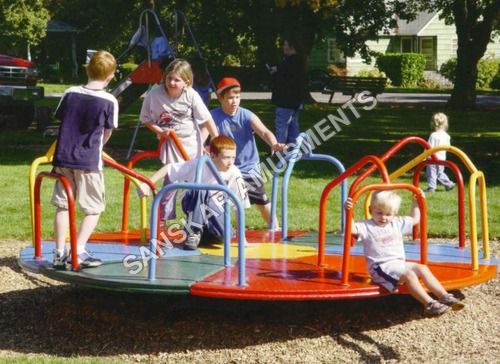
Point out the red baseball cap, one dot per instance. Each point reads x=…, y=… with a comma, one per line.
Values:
x=225, y=83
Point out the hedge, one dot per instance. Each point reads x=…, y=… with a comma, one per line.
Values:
x=488, y=72
x=403, y=69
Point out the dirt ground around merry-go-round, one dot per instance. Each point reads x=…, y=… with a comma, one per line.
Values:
x=44, y=319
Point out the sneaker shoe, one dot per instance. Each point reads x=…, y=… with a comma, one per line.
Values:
x=85, y=260
x=60, y=260
x=450, y=187
x=430, y=190
x=435, y=308
x=192, y=241
x=451, y=301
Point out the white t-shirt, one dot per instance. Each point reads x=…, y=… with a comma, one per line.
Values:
x=183, y=114
x=383, y=244
x=439, y=138
x=186, y=172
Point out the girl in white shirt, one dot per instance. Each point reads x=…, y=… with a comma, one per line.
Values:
x=435, y=173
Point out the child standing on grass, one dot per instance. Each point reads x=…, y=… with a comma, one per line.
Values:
x=435, y=173
x=241, y=125
x=205, y=209
x=173, y=105
x=382, y=238
x=87, y=114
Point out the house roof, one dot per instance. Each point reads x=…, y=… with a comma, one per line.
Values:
x=414, y=27
x=61, y=27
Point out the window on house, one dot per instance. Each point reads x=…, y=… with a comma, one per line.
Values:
x=406, y=45
x=335, y=55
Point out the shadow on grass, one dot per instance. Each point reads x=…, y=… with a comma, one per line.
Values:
x=70, y=321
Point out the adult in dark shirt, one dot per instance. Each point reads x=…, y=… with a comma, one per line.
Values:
x=289, y=88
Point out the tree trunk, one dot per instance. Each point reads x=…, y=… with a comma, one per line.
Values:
x=474, y=27
x=463, y=96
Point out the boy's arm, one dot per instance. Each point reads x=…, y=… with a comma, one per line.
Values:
x=144, y=189
x=348, y=205
x=265, y=134
x=106, y=135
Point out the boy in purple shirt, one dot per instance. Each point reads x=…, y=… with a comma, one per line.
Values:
x=87, y=114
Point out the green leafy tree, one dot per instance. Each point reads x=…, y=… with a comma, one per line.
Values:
x=475, y=21
x=24, y=24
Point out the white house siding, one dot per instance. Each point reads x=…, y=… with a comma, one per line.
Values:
x=356, y=63
x=445, y=36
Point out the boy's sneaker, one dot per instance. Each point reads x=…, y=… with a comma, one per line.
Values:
x=85, y=260
x=430, y=190
x=60, y=260
x=192, y=241
x=450, y=187
x=435, y=308
x=451, y=301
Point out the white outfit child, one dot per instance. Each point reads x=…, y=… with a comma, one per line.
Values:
x=436, y=173
x=384, y=250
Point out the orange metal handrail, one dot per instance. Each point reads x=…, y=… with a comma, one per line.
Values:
x=143, y=155
x=326, y=191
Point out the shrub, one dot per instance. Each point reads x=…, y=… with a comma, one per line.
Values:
x=372, y=72
x=403, y=69
x=128, y=67
x=487, y=71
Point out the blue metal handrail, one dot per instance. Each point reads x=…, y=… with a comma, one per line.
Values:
x=294, y=156
x=198, y=185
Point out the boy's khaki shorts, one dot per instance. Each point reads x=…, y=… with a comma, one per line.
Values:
x=88, y=190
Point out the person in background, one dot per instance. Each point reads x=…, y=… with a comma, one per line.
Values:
x=435, y=173
x=288, y=91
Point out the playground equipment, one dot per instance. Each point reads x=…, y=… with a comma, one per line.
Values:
x=286, y=265
x=149, y=71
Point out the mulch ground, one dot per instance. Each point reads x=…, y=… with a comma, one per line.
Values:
x=43, y=319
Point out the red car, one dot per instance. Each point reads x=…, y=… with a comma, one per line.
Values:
x=18, y=92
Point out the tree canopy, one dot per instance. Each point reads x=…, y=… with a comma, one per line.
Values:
x=24, y=23
x=248, y=32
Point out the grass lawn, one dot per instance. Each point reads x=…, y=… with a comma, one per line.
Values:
x=477, y=133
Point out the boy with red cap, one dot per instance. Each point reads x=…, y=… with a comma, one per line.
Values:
x=241, y=124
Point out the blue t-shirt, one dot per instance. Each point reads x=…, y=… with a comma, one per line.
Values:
x=84, y=114
x=239, y=127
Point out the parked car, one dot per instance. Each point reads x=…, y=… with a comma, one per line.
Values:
x=18, y=92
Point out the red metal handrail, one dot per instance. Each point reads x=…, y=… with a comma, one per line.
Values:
x=461, y=194
x=71, y=214
x=326, y=191
x=390, y=152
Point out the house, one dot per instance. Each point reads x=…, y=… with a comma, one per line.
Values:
x=427, y=34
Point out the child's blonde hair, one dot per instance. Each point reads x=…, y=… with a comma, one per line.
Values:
x=181, y=68
x=101, y=66
x=387, y=201
x=439, y=121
